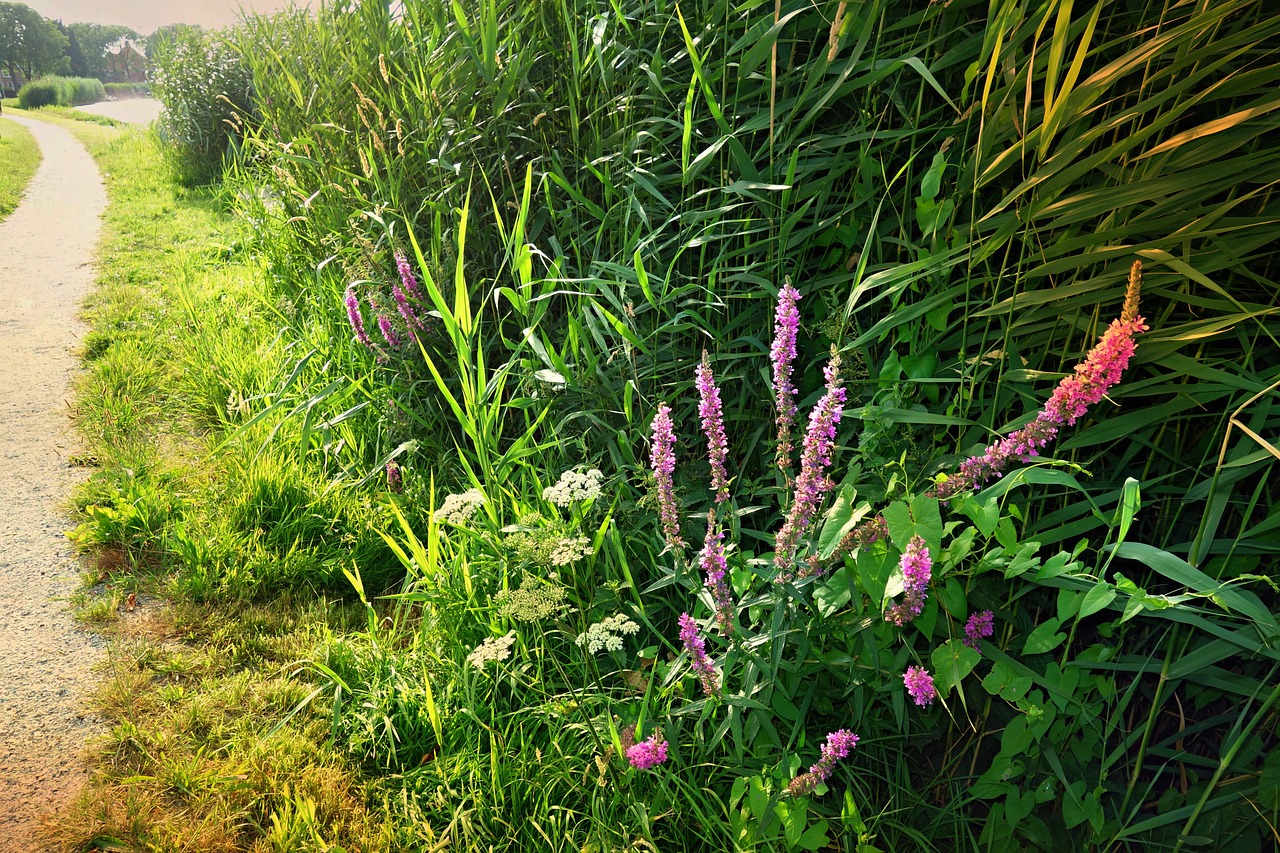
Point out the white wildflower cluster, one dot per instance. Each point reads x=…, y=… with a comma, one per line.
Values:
x=574, y=486
x=569, y=550
x=492, y=649
x=534, y=601
x=607, y=634
x=458, y=509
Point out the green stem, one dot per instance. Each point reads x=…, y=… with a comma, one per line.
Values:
x=1226, y=763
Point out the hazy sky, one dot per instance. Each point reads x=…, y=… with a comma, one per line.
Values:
x=145, y=15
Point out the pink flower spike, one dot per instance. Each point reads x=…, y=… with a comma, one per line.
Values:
x=812, y=482
x=662, y=457
x=783, y=355
x=920, y=685
x=648, y=753
x=712, y=414
x=978, y=626
x=837, y=746
x=699, y=662
x=354, y=317
x=717, y=569
x=1097, y=374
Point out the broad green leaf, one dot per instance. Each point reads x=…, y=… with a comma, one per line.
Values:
x=1096, y=598
x=1044, y=638
x=952, y=661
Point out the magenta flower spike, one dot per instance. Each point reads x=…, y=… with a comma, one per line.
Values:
x=407, y=277
x=354, y=317
x=712, y=414
x=648, y=753
x=662, y=457
x=917, y=571
x=836, y=747
x=979, y=626
x=812, y=482
x=388, y=331
x=920, y=685
x=1097, y=374
x=699, y=662
x=717, y=569
x=404, y=291
x=783, y=355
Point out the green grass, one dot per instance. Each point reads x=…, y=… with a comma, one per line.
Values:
x=597, y=193
x=81, y=115
x=19, y=159
x=192, y=690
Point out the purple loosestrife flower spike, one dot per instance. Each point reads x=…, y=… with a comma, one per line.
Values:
x=717, y=569
x=837, y=746
x=411, y=319
x=920, y=685
x=648, y=753
x=812, y=482
x=697, y=649
x=407, y=277
x=354, y=317
x=1100, y=371
x=978, y=626
x=783, y=354
x=388, y=331
x=917, y=571
x=662, y=457
x=709, y=409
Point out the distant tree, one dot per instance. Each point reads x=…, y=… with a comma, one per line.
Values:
x=30, y=44
x=79, y=66
x=96, y=40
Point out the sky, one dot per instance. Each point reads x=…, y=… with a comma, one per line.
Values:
x=145, y=15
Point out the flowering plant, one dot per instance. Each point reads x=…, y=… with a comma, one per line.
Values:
x=874, y=584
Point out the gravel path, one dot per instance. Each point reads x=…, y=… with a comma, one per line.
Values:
x=46, y=250
x=132, y=110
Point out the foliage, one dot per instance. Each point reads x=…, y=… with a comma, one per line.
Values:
x=90, y=43
x=596, y=203
x=128, y=90
x=206, y=91
x=61, y=92
x=30, y=44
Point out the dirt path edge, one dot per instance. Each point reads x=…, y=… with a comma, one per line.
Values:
x=46, y=268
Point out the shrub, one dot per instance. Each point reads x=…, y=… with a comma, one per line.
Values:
x=44, y=92
x=61, y=92
x=128, y=90
x=84, y=90
x=206, y=90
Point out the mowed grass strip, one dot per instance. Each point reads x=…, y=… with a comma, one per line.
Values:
x=19, y=159
x=211, y=741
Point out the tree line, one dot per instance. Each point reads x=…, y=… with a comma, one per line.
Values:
x=32, y=45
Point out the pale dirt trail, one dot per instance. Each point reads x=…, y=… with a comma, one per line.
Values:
x=140, y=111
x=46, y=248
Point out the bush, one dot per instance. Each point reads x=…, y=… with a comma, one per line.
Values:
x=61, y=92
x=206, y=90
x=39, y=93
x=128, y=90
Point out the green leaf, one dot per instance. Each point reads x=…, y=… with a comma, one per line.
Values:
x=952, y=661
x=841, y=518
x=1044, y=638
x=874, y=566
x=815, y=837
x=1095, y=599
x=1004, y=682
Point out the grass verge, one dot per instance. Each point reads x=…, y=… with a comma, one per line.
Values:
x=19, y=159
x=211, y=743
